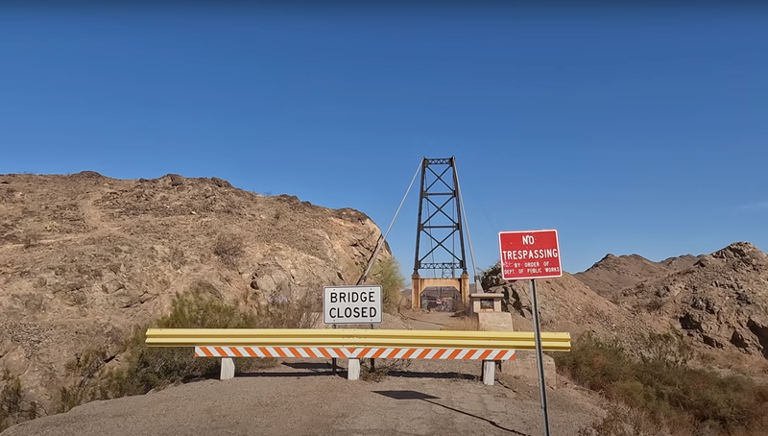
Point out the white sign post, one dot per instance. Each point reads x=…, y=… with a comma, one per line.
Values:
x=352, y=305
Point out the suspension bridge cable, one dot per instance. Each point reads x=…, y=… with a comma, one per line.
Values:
x=466, y=223
x=453, y=243
x=384, y=239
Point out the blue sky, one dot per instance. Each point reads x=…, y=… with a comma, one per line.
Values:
x=630, y=130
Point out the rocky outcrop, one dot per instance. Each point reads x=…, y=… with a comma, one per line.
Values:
x=566, y=304
x=720, y=300
x=85, y=258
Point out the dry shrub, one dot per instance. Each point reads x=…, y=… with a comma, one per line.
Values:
x=13, y=406
x=300, y=313
x=229, y=249
x=382, y=368
x=150, y=368
x=621, y=420
x=84, y=384
x=660, y=383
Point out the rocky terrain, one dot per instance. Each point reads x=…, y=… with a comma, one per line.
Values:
x=718, y=300
x=613, y=273
x=85, y=258
x=568, y=305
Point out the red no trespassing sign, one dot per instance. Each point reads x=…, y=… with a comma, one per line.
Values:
x=530, y=254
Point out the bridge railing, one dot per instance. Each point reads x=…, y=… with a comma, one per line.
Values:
x=355, y=344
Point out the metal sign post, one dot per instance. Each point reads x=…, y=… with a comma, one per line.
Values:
x=539, y=356
x=333, y=360
x=352, y=305
x=531, y=255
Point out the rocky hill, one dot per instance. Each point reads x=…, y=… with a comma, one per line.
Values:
x=567, y=304
x=84, y=258
x=720, y=300
x=611, y=274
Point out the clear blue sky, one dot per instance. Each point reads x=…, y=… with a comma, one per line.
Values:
x=630, y=130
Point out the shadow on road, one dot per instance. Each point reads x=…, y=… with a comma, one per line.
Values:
x=413, y=395
x=287, y=374
x=406, y=395
x=314, y=366
x=314, y=369
x=444, y=375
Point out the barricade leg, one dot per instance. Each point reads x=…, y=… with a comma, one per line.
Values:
x=353, y=370
x=489, y=372
x=227, y=368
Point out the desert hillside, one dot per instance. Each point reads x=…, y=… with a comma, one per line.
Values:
x=84, y=258
x=613, y=273
x=566, y=304
x=720, y=300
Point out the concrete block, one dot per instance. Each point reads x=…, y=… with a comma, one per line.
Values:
x=227, y=368
x=353, y=370
x=495, y=321
x=525, y=367
x=489, y=372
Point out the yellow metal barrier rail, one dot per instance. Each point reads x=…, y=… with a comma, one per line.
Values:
x=356, y=338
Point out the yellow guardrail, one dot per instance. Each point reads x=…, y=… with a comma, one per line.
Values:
x=356, y=338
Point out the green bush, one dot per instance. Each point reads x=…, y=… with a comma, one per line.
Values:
x=387, y=274
x=150, y=368
x=660, y=382
x=155, y=368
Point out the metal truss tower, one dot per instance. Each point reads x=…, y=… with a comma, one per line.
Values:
x=439, y=221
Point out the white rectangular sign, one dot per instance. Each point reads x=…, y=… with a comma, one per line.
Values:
x=352, y=304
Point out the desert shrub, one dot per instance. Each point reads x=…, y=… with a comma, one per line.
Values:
x=13, y=406
x=621, y=420
x=229, y=249
x=303, y=312
x=155, y=368
x=150, y=368
x=387, y=274
x=382, y=368
x=84, y=384
x=660, y=382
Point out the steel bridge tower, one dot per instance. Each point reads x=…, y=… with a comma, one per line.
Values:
x=439, y=221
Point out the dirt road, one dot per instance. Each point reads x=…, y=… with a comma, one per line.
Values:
x=305, y=399
x=428, y=320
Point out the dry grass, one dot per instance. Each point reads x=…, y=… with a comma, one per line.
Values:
x=463, y=323
x=663, y=390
